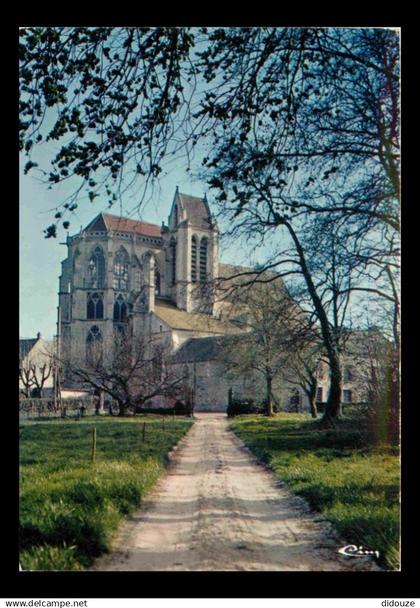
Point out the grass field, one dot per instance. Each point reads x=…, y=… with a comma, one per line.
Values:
x=70, y=506
x=343, y=473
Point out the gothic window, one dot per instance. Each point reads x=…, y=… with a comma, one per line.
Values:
x=96, y=268
x=194, y=259
x=121, y=270
x=137, y=281
x=94, y=344
x=157, y=282
x=137, y=278
x=95, y=306
x=203, y=259
x=157, y=364
x=120, y=309
x=172, y=248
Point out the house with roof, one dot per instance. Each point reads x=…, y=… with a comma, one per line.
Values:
x=35, y=369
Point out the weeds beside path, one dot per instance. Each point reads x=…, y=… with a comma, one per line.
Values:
x=70, y=506
x=342, y=473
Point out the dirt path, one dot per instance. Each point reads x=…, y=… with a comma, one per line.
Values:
x=218, y=509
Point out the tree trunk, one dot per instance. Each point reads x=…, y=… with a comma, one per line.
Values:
x=394, y=398
x=312, y=402
x=123, y=408
x=333, y=408
x=269, y=409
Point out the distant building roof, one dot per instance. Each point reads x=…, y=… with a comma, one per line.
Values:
x=192, y=321
x=105, y=222
x=26, y=345
x=200, y=349
x=231, y=277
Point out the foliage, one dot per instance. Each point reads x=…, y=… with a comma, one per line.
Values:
x=70, y=507
x=344, y=473
x=107, y=95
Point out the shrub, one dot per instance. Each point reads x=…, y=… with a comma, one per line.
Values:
x=238, y=407
x=36, y=408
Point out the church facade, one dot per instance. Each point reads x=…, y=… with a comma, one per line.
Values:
x=120, y=270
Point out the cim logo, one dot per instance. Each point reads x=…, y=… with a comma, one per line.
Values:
x=354, y=551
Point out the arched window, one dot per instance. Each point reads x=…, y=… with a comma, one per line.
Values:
x=194, y=259
x=121, y=270
x=136, y=274
x=157, y=282
x=96, y=267
x=94, y=345
x=172, y=248
x=120, y=309
x=95, y=306
x=203, y=259
x=137, y=278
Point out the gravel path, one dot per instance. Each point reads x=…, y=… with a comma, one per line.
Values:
x=218, y=509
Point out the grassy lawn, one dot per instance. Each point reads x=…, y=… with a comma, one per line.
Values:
x=344, y=473
x=70, y=507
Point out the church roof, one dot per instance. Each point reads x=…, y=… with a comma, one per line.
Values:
x=196, y=210
x=200, y=349
x=192, y=321
x=106, y=221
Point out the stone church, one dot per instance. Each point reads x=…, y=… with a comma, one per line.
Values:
x=118, y=268
x=155, y=276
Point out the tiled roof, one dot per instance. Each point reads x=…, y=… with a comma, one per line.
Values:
x=200, y=349
x=180, y=319
x=105, y=221
x=25, y=346
x=196, y=209
x=228, y=270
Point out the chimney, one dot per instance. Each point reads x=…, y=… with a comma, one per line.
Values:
x=38, y=335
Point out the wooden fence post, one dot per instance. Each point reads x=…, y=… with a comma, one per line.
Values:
x=144, y=431
x=93, y=444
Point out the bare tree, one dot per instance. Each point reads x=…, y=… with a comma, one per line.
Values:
x=273, y=325
x=139, y=370
x=26, y=376
x=41, y=373
x=302, y=370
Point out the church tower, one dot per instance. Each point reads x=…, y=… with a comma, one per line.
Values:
x=192, y=241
